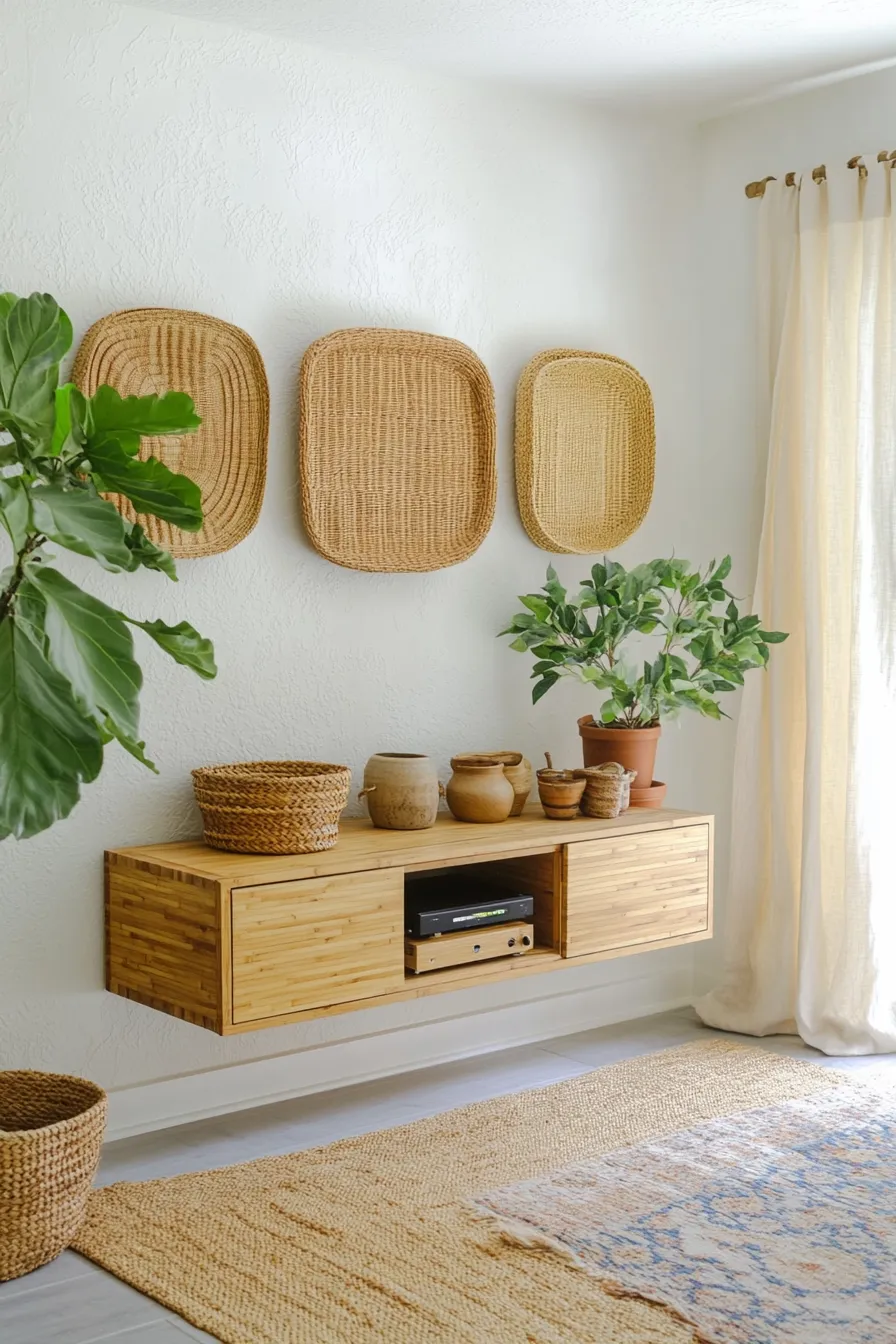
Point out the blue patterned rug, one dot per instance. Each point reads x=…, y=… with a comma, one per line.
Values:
x=771, y=1226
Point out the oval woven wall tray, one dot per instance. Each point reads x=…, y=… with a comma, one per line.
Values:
x=585, y=447
x=144, y=350
x=397, y=449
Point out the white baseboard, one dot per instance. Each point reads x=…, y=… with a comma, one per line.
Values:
x=177, y=1101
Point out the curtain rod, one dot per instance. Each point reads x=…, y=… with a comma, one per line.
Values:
x=754, y=190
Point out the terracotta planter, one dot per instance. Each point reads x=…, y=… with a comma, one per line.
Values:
x=402, y=791
x=560, y=793
x=478, y=790
x=516, y=768
x=654, y=796
x=633, y=748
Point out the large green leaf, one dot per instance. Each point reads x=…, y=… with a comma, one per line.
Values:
x=80, y=520
x=146, y=553
x=90, y=644
x=149, y=485
x=47, y=744
x=68, y=425
x=15, y=511
x=184, y=644
x=170, y=413
x=34, y=336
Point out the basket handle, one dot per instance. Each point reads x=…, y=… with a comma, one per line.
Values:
x=371, y=788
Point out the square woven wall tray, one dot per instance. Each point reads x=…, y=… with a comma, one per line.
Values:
x=145, y=350
x=397, y=449
x=585, y=446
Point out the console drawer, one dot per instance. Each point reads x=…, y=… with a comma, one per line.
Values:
x=318, y=942
x=640, y=888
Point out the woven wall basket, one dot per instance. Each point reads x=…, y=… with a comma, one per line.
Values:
x=397, y=449
x=145, y=350
x=51, y=1133
x=585, y=448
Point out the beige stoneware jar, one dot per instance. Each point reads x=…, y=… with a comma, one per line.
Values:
x=478, y=790
x=402, y=791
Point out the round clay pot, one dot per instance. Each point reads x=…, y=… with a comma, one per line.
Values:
x=402, y=791
x=633, y=748
x=560, y=793
x=478, y=790
x=516, y=768
x=654, y=796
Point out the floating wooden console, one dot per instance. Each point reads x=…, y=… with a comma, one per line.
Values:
x=235, y=942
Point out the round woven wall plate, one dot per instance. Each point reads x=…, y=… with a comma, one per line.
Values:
x=397, y=449
x=585, y=448
x=145, y=350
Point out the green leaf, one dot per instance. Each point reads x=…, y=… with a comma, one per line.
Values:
x=34, y=335
x=519, y=645
x=184, y=644
x=149, y=485
x=48, y=746
x=170, y=413
x=15, y=511
x=146, y=553
x=90, y=644
x=542, y=687
x=68, y=425
x=136, y=749
x=773, y=636
x=81, y=521
x=537, y=605
x=721, y=571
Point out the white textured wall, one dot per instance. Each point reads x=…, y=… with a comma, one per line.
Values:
x=827, y=125
x=155, y=160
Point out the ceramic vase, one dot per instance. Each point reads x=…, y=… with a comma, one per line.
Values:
x=516, y=768
x=478, y=790
x=402, y=791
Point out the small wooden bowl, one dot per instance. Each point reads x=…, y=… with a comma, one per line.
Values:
x=560, y=793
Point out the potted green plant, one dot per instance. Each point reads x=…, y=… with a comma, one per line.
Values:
x=705, y=648
x=69, y=681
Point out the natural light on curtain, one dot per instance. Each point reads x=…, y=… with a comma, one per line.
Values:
x=812, y=896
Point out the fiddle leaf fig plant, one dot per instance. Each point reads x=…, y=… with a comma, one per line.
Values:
x=705, y=645
x=69, y=679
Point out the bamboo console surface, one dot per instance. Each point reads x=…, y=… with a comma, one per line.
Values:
x=235, y=942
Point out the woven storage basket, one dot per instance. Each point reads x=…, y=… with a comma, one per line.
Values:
x=607, y=790
x=397, y=449
x=51, y=1133
x=144, y=350
x=585, y=446
x=272, y=807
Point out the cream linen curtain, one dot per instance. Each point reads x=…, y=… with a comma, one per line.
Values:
x=812, y=895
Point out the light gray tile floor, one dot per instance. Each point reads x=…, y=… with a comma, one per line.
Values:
x=73, y=1302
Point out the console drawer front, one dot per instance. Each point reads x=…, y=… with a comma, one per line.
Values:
x=317, y=942
x=637, y=889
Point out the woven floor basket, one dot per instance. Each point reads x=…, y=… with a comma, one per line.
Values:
x=51, y=1133
x=272, y=807
x=584, y=449
x=144, y=350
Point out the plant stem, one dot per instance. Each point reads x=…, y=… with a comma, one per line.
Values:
x=7, y=597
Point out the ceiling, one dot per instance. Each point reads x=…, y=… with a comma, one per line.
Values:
x=702, y=55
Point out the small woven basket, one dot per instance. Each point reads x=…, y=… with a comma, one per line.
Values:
x=272, y=807
x=51, y=1133
x=607, y=790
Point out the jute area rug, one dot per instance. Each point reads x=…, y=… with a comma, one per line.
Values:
x=376, y=1240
